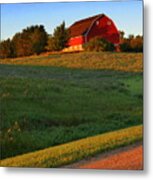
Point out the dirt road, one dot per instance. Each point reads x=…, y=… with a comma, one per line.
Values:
x=125, y=158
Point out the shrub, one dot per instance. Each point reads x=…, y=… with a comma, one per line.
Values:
x=99, y=44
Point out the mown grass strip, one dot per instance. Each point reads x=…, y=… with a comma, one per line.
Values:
x=76, y=150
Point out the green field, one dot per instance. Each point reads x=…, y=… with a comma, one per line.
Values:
x=71, y=152
x=45, y=105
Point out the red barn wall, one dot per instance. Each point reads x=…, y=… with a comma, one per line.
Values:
x=104, y=28
x=76, y=41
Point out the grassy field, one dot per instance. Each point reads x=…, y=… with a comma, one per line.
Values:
x=74, y=151
x=131, y=62
x=45, y=104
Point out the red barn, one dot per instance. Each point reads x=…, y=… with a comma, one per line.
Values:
x=97, y=26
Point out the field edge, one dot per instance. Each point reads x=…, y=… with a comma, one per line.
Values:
x=73, y=151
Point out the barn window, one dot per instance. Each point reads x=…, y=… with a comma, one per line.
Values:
x=109, y=23
x=97, y=23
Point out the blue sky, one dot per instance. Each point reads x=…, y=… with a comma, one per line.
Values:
x=127, y=15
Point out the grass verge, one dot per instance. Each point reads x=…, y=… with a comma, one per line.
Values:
x=73, y=151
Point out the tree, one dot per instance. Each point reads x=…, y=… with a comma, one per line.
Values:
x=131, y=36
x=137, y=44
x=50, y=44
x=132, y=44
x=125, y=45
x=22, y=44
x=6, y=50
x=122, y=33
x=31, y=40
x=60, y=37
x=39, y=39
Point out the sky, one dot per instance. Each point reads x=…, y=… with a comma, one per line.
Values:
x=127, y=15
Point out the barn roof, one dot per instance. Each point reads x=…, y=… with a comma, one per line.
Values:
x=81, y=27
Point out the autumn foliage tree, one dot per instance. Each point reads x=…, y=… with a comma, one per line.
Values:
x=131, y=44
x=31, y=40
x=137, y=44
x=34, y=40
x=22, y=45
x=6, y=49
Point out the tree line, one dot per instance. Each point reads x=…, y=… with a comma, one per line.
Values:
x=34, y=40
x=131, y=43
